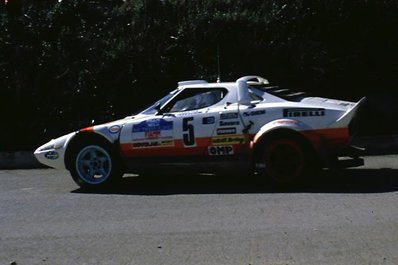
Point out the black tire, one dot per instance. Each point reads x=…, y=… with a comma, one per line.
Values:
x=286, y=160
x=95, y=165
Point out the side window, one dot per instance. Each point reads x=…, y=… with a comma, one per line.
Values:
x=196, y=98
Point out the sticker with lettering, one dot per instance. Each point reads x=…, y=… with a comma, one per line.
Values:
x=254, y=113
x=153, y=129
x=152, y=133
x=303, y=112
x=208, y=120
x=224, y=131
x=223, y=140
x=52, y=155
x=221, y=150
x=114, y=129
x=187, y=113
x=229, y=116
x=149, y=144
x=229, y=123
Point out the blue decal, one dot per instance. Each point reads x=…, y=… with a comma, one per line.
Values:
x=52, y=155
x=208, y=120
x=153, y=125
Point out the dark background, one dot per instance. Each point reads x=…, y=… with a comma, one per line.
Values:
x=64, y=64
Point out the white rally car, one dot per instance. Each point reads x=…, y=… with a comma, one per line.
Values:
x=245, y=125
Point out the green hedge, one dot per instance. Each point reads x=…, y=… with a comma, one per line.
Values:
x=65, y=63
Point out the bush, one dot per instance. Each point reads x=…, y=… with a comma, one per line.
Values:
x=64, y=64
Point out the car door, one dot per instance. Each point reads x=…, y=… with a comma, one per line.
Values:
x=195, y=116
x=208, y=126
x=146, y=137
x=182, y=128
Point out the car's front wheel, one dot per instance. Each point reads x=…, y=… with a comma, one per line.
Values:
x=95, y=166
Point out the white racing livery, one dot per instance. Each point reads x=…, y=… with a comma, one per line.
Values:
x=246, y=125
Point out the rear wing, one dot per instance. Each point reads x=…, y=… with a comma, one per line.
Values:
x=347, y=117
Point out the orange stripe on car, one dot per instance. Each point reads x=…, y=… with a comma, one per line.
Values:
x=88, y=129
x=177, y=148
x=334, y=137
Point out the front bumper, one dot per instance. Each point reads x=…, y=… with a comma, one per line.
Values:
x=52, y=154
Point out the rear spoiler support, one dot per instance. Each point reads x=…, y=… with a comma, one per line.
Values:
x=346, y=118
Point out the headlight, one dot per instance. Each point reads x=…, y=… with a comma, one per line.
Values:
x=50, y=146
x=55, y=144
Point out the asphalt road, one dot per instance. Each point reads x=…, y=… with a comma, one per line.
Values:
x=348, y=217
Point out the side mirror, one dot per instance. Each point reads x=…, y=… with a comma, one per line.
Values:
x=157, y=106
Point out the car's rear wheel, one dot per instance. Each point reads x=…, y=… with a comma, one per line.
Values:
x=285, y=159
x=95, y=166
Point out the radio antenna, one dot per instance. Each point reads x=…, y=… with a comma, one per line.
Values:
x=218, y=64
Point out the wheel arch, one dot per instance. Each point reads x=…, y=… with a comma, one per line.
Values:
x=260, y=141
x=85, y=137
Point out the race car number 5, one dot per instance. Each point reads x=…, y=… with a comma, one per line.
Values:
x=188, y=131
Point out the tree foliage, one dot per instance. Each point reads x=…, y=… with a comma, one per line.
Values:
x=65, y=63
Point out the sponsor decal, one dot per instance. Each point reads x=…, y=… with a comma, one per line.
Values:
x=229, y=123
x=153, y=129
x=229, y=116
x=148, y=144
x=224, y=131
x=52, y=155
x=153, y=125
x=208, y=120
x=153, y=133
x=222, y=150
x=254, y=113
x=114, y=129
x=303, y=112
x=223, y=140
x=187, y=113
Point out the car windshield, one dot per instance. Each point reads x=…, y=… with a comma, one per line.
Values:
x=154, y=108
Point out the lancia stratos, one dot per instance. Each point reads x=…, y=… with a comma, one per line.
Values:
x=243, y=126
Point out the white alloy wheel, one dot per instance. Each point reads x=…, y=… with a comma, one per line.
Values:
x=93, y=164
